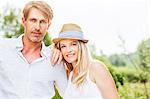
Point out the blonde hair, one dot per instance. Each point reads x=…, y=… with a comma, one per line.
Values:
x=41, y=6
x=82, y=66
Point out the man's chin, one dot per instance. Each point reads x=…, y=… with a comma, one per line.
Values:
x=36, y=40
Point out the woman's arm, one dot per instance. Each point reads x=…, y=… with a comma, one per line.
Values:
x=104, y=80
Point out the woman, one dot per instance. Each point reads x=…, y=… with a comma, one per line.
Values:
x=87, y=78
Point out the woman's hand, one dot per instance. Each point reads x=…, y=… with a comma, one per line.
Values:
x=56, y=55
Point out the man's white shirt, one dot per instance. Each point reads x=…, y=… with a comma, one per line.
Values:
x=21, y=80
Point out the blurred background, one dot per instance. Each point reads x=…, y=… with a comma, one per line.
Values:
x=118, y=30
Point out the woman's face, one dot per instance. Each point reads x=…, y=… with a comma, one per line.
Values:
x=69, y=49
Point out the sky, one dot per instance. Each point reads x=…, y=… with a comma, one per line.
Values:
x=103, y=21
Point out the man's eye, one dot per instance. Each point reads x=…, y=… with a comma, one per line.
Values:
x=43, y=22
x=33, y=20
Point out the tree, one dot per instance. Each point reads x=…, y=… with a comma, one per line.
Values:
x=118, y=60
x=144, y=62
x=144, y=54
x=10, y=25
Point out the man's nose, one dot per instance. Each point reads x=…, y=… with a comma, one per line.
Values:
x=37, y=26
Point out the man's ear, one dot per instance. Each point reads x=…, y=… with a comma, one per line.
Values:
x=23, y=21
x=48, y=25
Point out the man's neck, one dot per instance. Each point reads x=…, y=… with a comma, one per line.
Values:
x=31, y=50
x=28, y=44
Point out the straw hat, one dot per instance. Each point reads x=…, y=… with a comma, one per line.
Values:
x=70, y=31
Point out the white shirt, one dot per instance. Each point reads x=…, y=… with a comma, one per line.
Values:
x=21, y=80
x=88, y=90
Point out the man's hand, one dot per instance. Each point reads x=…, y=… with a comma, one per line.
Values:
x=56, y=55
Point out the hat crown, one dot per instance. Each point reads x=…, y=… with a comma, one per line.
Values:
x=70, y=31
x=70, y=27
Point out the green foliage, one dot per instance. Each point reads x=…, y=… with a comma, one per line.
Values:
x=118, y=77
x=129, y=84
x=143, y=52
x=132, y=91
x=130, y=75
x=57, y=96
x=47, y=39
x=144, y=77
x=144, y=55
x=118, y=60
x=10, y=24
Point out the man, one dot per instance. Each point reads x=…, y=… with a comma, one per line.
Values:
x=25, y=68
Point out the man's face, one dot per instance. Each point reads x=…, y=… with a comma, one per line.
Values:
x=36, y=25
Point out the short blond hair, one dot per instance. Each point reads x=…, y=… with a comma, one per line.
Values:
x=41, y=6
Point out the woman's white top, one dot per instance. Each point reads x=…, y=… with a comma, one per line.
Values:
x=87, y=90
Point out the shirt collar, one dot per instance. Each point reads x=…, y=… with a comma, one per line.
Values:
x=19, y=42
x=19, y=46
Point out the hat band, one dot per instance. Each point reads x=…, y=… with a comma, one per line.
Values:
x=71, y=34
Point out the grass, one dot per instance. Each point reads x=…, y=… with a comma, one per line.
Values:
x=134, y=91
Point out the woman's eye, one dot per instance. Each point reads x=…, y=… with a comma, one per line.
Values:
x=62, y=46
x=74, y=44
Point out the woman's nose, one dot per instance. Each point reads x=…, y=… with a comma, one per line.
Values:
x=69, y=49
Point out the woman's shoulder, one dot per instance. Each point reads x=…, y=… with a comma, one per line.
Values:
x=97, y=69
x=97, y=65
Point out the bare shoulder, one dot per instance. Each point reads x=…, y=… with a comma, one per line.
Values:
x=99, y=66
x=101, y=76
x=98, y=70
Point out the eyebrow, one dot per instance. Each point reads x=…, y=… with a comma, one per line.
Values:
x=37, y=19
x=71, y=42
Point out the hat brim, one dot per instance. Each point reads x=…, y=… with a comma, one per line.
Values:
x=56, y=40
